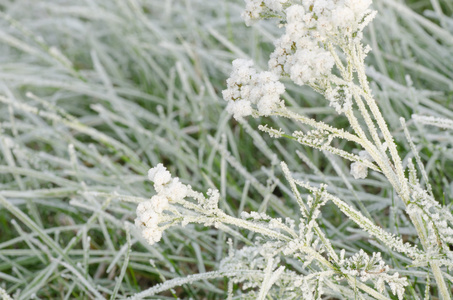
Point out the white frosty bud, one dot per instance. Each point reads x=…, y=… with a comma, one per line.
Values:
x=148, y=218
x=144, y=206
x=295, y=14
x=343, y=17
x=152, y=235
x=159, y=175
x=176, y=190
x=358, y=7
x=159, y=203
x=239, y=108
x=248, y=90
x=359, y=170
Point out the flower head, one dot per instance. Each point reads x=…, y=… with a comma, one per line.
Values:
x=159, y=175
x=248, y=89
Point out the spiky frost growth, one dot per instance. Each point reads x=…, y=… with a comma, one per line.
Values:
x=256, y=267
x=438, y=222
x=253, y=264
x=249, y=258
x=274, y=133
x=373, y=268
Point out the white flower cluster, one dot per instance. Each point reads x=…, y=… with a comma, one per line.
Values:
x=149, y=217
x=302, y=51
x=373, y=268
x=165, y=185
x=247, y=87
x=358, y=169
x=297, y=54
x=170, y=207
x=335, y=19
x=149, y=213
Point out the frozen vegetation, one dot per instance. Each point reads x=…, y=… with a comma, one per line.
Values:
x=257, y=149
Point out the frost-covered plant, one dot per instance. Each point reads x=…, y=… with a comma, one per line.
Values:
x=322, y=48
x=259, y=266
x=97, y=91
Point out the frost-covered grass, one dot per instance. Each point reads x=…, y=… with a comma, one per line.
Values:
x=95, y=93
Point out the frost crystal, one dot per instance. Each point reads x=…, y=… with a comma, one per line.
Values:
x=374, y=268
